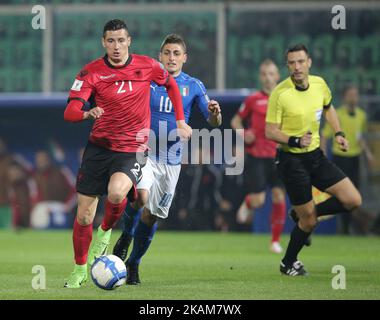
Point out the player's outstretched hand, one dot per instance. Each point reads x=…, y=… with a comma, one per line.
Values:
x=214, y=107
x=184, y=130
x=342, y=143
x=94, y=113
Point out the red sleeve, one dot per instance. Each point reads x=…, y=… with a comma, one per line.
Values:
x=80, y=92
x=73, y=111
x=175, y=97
x=159, y=74
x=82, y=87
x=245, y=108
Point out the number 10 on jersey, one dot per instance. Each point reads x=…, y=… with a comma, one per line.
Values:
x=165, y=104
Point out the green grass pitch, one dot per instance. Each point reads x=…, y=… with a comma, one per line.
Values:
x=182, y=265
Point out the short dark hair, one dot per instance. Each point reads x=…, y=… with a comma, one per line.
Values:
x=348, y=87
x=174, y=38
x=113, y=25
x=295, y=48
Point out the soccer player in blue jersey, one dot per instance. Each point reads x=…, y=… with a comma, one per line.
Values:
x=161, y=173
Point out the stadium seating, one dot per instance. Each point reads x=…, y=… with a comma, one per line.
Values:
x=347, y=51
x=370, y=51
x=322, y=50
x=337, y=56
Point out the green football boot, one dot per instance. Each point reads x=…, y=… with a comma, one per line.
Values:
x=99, y=247
x=77, y=277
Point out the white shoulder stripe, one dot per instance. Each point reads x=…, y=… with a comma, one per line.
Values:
x=199, y=85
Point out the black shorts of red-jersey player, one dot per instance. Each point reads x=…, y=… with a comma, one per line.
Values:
x=99, y=164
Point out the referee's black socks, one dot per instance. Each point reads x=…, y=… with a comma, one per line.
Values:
x=298, y=238
x=330, y=206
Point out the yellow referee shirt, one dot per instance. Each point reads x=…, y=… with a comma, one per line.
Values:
x=354, y=126
x=299, y=110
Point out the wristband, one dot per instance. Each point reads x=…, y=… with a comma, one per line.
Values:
x=294, y=142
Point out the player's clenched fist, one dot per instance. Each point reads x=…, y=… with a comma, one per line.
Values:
x=184, y=130
x=213, y=107
x=94, y=113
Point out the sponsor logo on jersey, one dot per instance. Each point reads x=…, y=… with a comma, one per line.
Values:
x=107, y=77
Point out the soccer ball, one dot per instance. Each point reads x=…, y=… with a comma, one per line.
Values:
x=108, y=272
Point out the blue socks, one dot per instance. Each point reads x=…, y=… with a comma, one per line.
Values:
x=131, y=218
x=141, y=241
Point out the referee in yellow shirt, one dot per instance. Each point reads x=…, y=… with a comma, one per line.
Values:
x=353, y=120
x=295, y=109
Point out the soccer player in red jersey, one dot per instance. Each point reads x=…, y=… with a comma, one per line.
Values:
x=260, y=170
x=120, y=84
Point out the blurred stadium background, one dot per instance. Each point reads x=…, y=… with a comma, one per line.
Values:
x=226, y=42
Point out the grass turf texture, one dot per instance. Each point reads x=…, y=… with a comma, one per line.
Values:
x=182, y=265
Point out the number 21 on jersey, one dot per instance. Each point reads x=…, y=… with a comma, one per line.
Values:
x=165, y=104
x=121, y=86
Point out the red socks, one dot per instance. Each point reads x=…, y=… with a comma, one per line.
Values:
x=82, y=236
x=113, y=213
x=277, y=220
x=248, y=202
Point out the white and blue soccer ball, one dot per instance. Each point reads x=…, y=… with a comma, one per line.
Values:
x=108, y=272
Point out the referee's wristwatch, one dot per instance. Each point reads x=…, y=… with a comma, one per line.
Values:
x=340, y=134
x=294, y=142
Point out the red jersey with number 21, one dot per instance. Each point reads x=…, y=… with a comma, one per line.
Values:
x=124, y=94
x=253, y=110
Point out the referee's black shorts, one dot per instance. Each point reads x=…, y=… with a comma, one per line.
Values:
x=350, y=166
x=99, y=164
x=259, y=174
x=300, y=171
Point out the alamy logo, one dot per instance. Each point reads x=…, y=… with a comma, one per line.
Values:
x=39, y=20
x=339, y=281
x=339, y=20
x=39, y=280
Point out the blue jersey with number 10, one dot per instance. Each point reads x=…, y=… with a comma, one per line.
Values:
x=163, y=121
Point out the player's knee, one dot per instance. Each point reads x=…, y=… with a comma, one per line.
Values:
x=278, y=196
x=116, y=196
x=142, y=199
x=308, y=224
x=257, y=201
x=308, y=221
x=148, y=218
x=85, y=217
